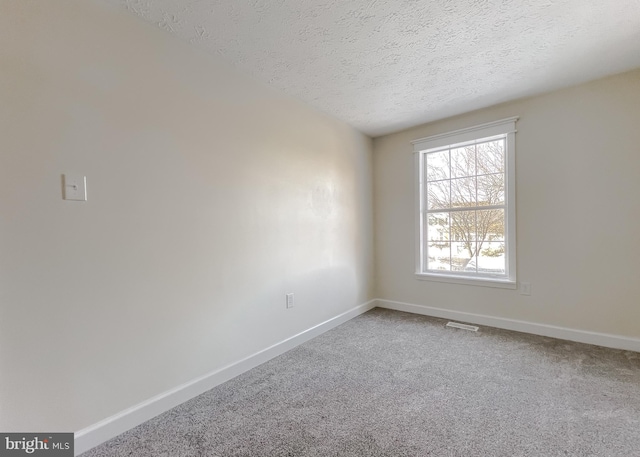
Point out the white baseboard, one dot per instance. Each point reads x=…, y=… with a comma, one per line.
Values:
x=110, y=427
x=580, y=336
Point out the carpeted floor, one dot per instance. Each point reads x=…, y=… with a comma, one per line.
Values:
x=395, y=384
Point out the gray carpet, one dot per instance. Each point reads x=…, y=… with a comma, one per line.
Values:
x=395, y=384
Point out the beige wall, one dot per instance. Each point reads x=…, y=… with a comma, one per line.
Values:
x=578, y=211
x=210, y=197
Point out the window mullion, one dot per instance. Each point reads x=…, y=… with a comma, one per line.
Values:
x=465, y=208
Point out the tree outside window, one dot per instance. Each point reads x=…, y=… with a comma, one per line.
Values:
x=465, y=202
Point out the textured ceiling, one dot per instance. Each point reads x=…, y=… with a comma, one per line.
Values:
x=386, y=65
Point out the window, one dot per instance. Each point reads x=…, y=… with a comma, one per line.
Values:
x=466, y=205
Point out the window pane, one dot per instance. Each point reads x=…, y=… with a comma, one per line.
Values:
x=491, y=157
x=461, y=255
x=438, y=256
x=463, y=204
x=463, y=225
x=438, y=227
x=463, y=192
x=437, y=165
x=491, y=258
x=463, y=162
x=490, y=225
x=491, y=190
x=438, y=195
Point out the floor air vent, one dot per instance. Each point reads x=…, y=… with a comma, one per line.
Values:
x=471, y=328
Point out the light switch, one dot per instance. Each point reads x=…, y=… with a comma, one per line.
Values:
x=75, y=187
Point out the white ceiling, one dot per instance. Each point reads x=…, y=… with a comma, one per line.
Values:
x=383, y=66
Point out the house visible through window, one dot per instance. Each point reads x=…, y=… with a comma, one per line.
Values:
x=466, y=211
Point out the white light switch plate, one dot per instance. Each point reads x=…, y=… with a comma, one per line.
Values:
x=75, y=187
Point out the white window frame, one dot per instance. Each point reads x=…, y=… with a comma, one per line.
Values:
x=505, y=128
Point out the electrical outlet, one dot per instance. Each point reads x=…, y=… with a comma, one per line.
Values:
x=525, y=288
x=289, y=300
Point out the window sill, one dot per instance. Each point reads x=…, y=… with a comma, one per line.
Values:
x=469, y=281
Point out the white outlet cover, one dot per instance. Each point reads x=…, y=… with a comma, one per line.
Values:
x=525, y=288
x=75, y=187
